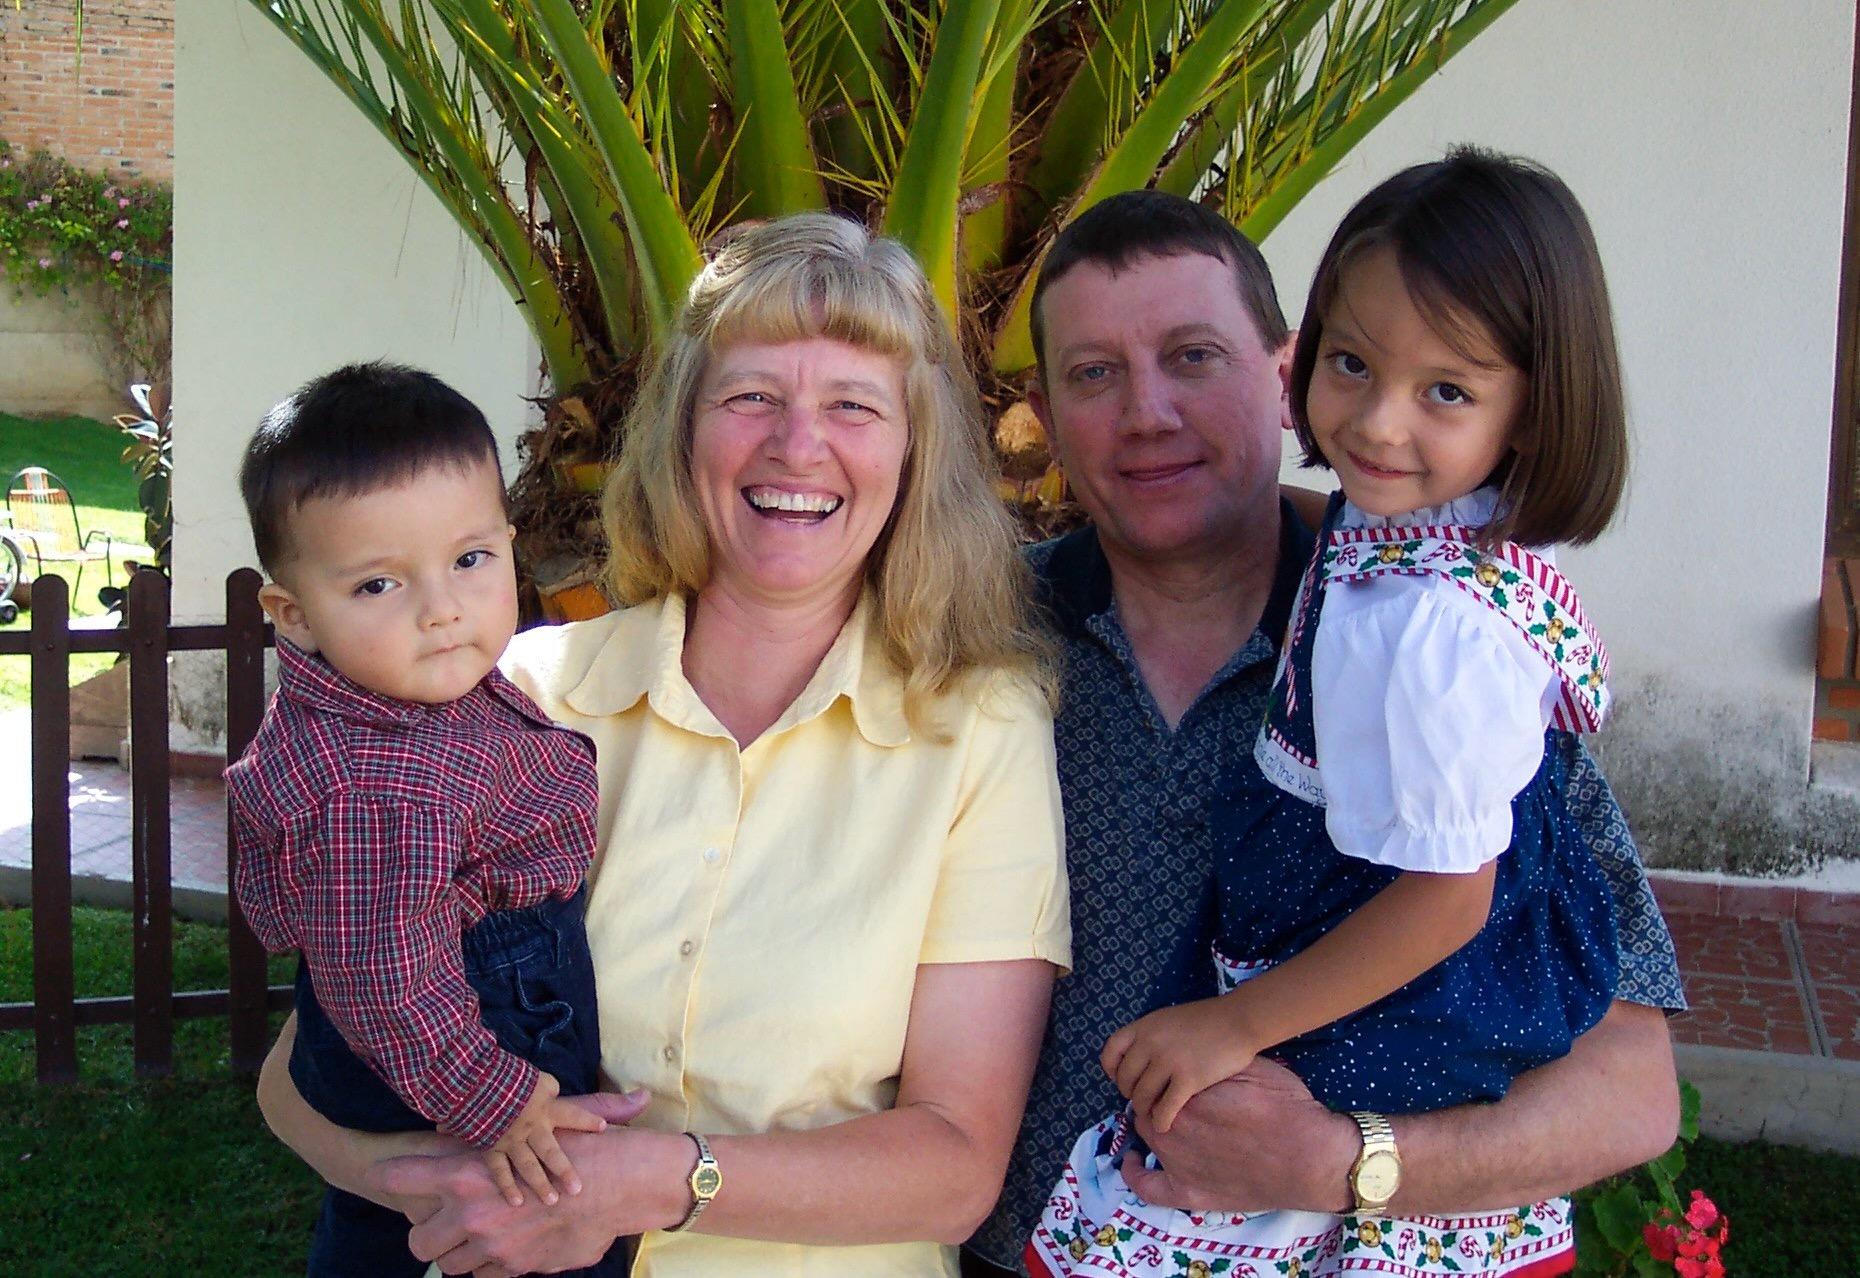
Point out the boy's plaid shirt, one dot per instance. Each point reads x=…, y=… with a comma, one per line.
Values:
x=372, y=832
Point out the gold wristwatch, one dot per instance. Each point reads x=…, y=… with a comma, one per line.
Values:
x=706, y=1180
x=1376, y=1174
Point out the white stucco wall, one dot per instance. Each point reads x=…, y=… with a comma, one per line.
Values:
x=51, y=359
x=1709, y=146
x=302, y=241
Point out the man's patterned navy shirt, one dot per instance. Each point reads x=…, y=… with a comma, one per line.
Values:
x=1140, y=853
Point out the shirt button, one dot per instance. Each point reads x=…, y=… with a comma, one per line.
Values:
x=671, y=1053
x=711, y=854
x=685, y=948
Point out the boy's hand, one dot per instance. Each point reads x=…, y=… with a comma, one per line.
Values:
x=1162, y=1060
x=529, y=1149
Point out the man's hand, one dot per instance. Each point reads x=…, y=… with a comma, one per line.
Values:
x=529, y=1149
x=1167, y=1057
x=1254, y=1142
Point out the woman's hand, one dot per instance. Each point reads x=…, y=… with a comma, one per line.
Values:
x=340, y=1156
x=633, y=1181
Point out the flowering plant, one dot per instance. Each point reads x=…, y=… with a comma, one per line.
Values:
x=1634, y=1224
x=62, y=228
x=1691, y=1244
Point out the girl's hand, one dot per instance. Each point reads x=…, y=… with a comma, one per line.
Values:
x=1162, y=1060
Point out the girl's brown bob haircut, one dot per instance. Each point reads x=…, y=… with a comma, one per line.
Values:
x=1497, y=254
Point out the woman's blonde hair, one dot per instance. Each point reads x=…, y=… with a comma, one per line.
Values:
x=951, y=594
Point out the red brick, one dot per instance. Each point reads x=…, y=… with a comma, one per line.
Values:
x=1840, y=1014
x=1762, y=1016
x=1831, y=729
x=1720, y=945
x=1831, y=952
x=1844, y=696
x=1757, y=901
x=1828, y=907
x=1684, y=896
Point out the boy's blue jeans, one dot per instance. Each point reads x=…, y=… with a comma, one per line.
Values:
x=535, y=984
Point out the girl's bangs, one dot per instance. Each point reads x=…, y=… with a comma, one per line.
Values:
x=1455, y=319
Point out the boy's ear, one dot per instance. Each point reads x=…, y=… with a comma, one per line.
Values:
x=287, y=615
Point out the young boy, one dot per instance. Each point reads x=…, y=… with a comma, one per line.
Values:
x=407, y=818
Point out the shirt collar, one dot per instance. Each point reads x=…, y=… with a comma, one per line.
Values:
x=644, y=657
x=1075, y=577
x=306, y=678
x=1475, y=510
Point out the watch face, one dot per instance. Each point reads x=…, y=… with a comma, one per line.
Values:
x=1378, y=1177
x=706, y=1181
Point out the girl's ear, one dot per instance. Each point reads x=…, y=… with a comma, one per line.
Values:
x=287, y=615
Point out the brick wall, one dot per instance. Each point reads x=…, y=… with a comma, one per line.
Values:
x=1837, y=656
x=1837, y=709
x=112, y=111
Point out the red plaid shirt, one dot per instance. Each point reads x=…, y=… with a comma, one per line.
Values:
x=372, y=832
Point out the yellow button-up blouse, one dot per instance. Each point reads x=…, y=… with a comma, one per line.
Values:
x=757, y=916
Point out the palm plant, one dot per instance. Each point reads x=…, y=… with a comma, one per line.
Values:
x=591, y=148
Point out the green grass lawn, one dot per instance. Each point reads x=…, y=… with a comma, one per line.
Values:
x=1789, y=1208
x=118, y=1176
x=88, y=456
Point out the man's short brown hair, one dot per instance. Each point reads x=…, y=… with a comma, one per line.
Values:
x=1132, y=225
x=1496, y=250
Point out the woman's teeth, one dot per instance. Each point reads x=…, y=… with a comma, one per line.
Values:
x=797, y=503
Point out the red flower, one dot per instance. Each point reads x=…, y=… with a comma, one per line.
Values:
x=1662, y=1241
x=1702, y=1213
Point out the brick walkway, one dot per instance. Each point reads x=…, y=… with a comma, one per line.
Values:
x=100, y=827
x=1767, y=969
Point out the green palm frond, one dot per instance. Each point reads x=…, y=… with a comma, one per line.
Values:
x=589, y=147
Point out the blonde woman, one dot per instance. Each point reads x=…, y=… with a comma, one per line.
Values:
x=828, y=902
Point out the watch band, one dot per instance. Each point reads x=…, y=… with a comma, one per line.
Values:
x=1376, y=1174
x=705, y=1181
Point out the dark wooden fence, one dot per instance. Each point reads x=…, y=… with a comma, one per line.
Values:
x=55, y=1011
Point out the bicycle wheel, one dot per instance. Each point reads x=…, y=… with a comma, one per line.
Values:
x=12, y=566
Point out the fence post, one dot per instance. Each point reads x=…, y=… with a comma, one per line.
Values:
x=53, y=989
x=153, y=887
x=245, y=704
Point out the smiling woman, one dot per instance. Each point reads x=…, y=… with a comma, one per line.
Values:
x=796, y=453
x=828, y=900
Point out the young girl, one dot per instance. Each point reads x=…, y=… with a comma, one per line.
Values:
x=1408, y=915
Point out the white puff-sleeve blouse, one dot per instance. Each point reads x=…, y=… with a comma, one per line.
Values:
x=1429, y=711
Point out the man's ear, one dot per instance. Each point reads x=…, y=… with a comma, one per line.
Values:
x=287, y=615
x=1043, y=409
x=1287, y=350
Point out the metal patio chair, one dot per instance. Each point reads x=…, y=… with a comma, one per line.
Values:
x=45, y=525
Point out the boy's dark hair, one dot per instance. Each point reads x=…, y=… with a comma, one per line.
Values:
x=1495, y=249
x=1123, y=228
x=358, y=429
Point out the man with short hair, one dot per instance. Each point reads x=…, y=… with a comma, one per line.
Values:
x=1163, y=358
